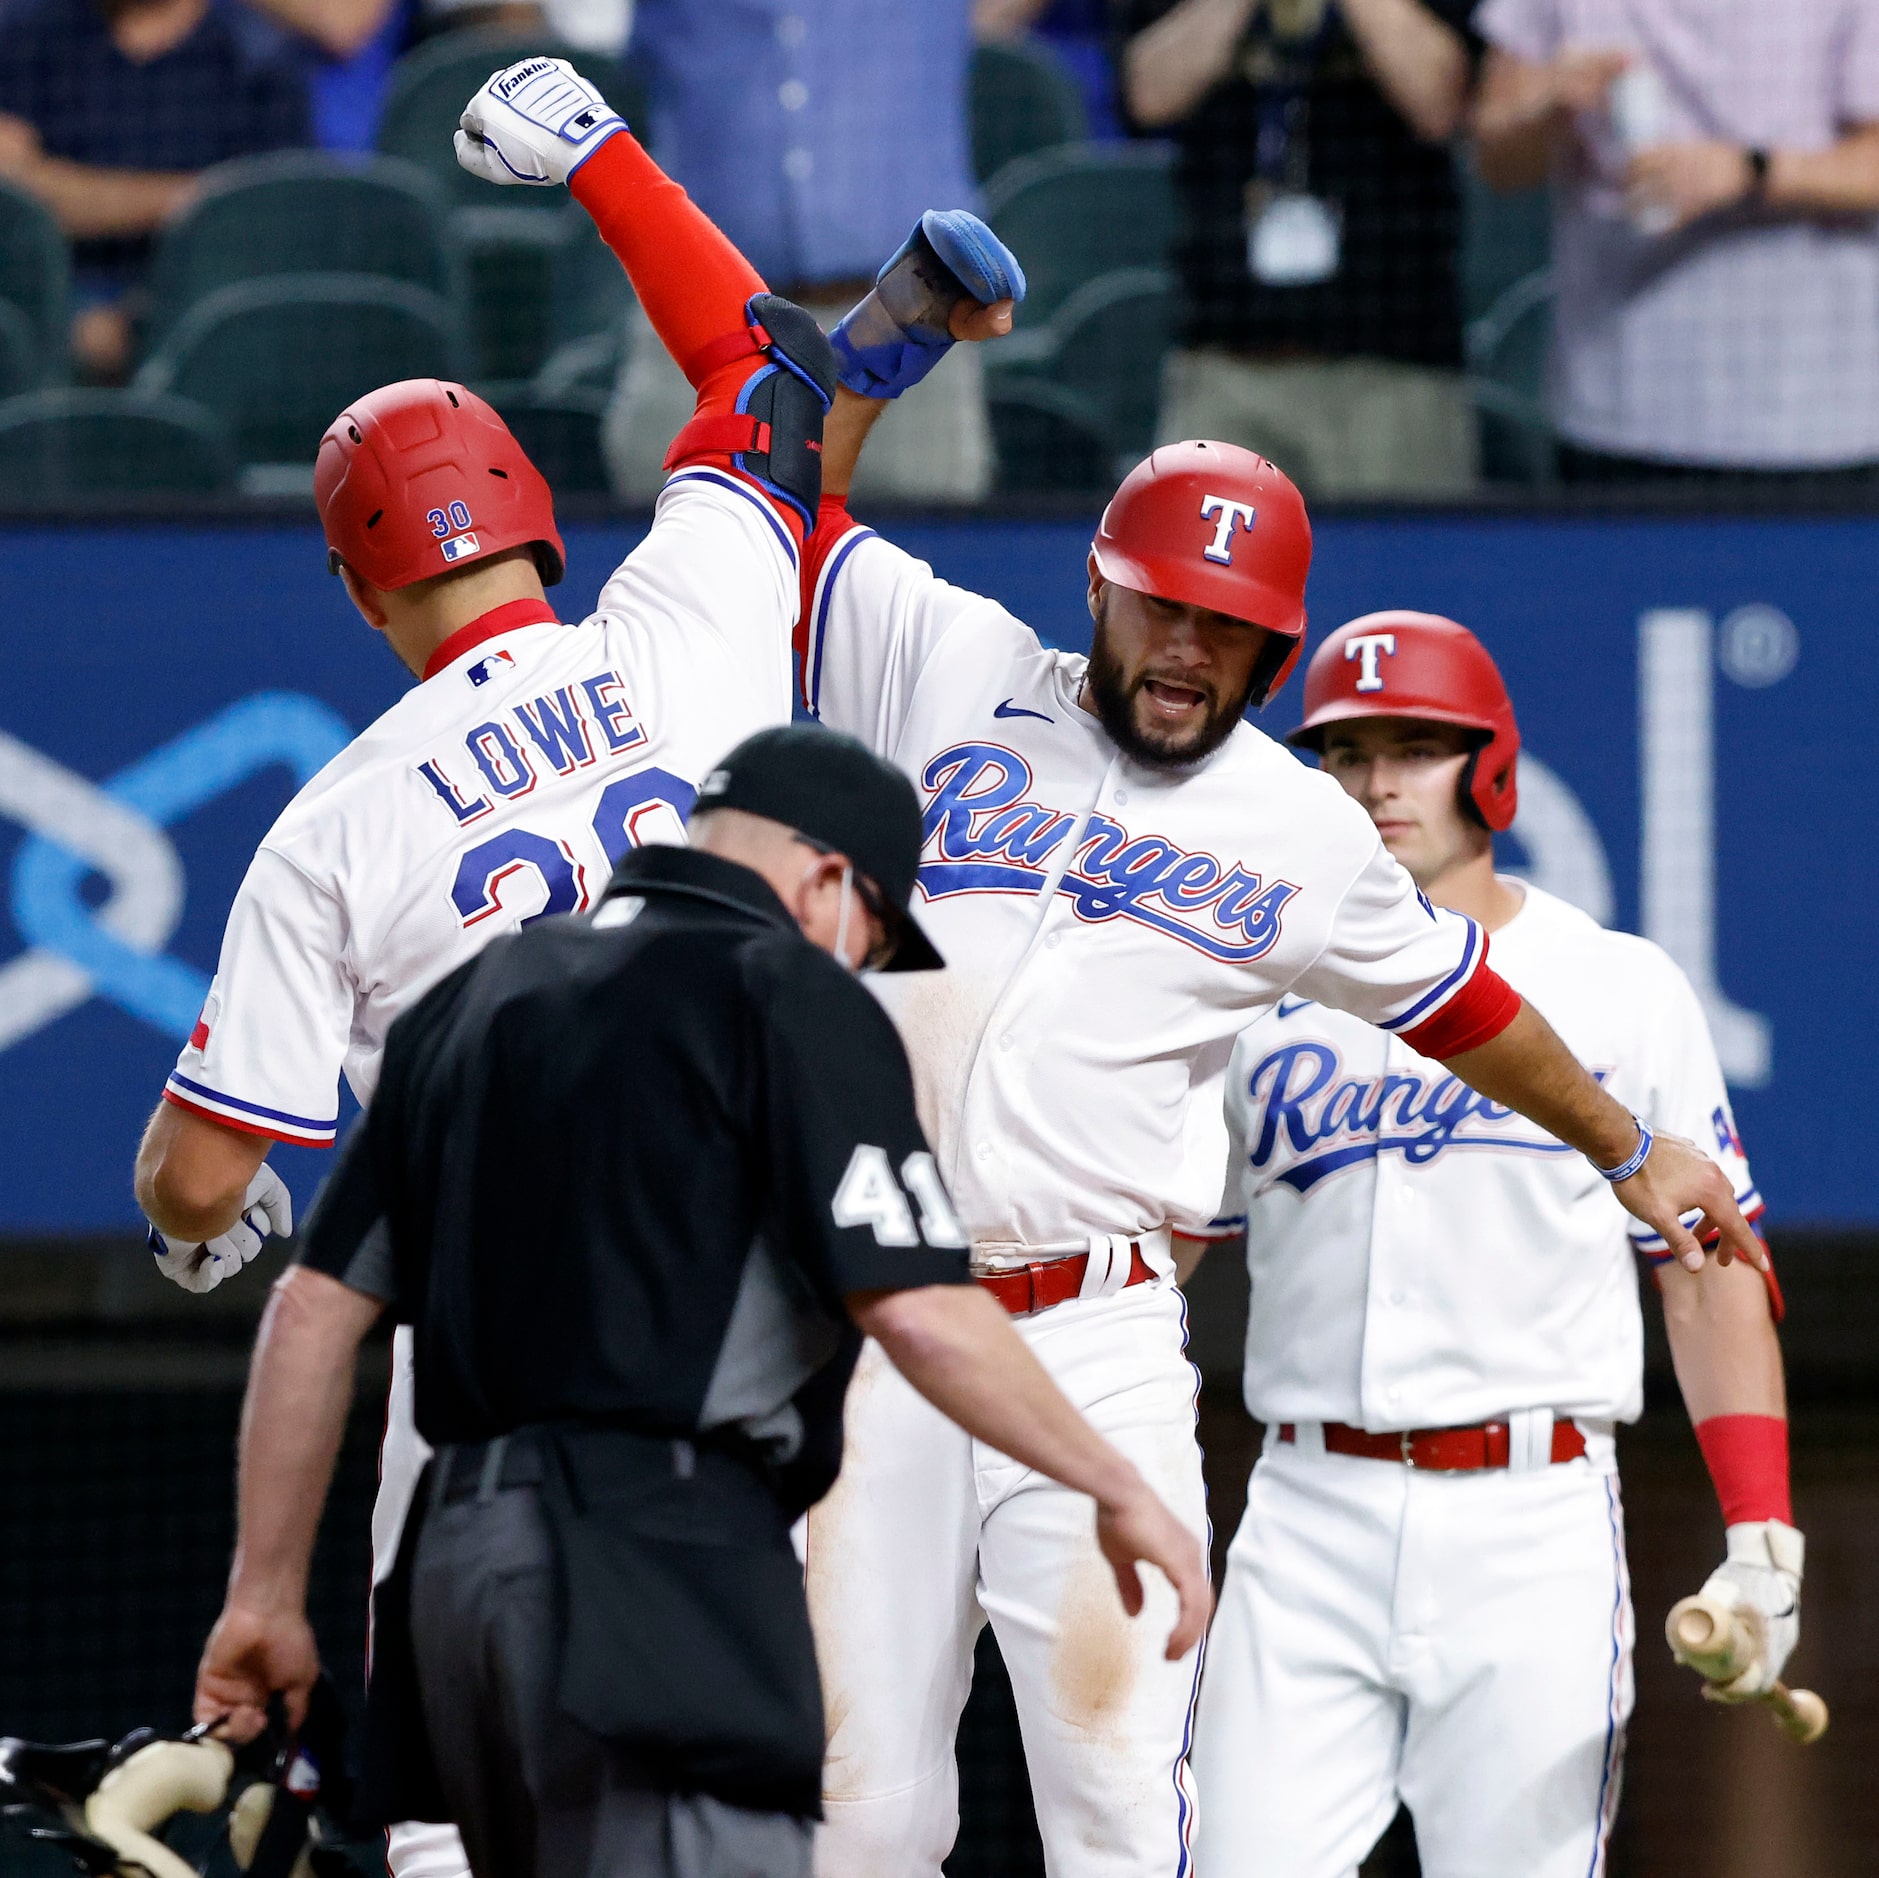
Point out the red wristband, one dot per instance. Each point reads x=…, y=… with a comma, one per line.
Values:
x=1747, y=1457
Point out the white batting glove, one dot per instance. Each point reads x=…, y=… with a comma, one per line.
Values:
x=267, y=1207
x=536, y=122
x=1761, y=1575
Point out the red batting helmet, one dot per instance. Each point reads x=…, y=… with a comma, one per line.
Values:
x=1420, y=665
x=422, y=476
x=1215, y=526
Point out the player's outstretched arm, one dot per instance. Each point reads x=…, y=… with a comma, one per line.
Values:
x=957, y=1347
x=299, y=1391
x=209, y=1195
x=1668, y=1183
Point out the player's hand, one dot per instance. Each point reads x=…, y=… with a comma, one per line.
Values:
x=536, y=122
x=1762, y=1579
x=960, y=282
x=1139, y=1530
x=267, y=1207
x=1681, y=181
x=1682, y=1194
x=253, y=1654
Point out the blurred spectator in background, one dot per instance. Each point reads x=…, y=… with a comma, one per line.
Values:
x=814, y=133
x=1323, y=321
x=108, y=109
x=346, y=48
x=1078, y=31
x=1715, y=169
x=587, y=25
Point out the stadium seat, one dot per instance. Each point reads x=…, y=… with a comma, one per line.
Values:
x=19, y=351
x=35, y=276
x=536, y=282
x=1504, y=239
x=1104, y=345
x=279, y=358
x=65, y=445
x=303, y=212
x=1024, y=98
x=1087, y=209
x=1506, y=348
x=431, y=85
x=561, y=433
x=1050, y=441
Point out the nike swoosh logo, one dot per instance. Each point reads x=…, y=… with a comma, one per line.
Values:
x=1008, y=709
x=1290, y=1007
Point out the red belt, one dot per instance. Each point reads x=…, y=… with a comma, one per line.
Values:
x=1440, y=1450
x=1026, y=1289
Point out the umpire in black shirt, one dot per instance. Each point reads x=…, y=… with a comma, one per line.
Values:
x=640, y=1180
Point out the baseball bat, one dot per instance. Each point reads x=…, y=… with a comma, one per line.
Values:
x=1719, y=1643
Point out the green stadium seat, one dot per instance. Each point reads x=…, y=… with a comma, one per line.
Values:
x=279, y=358
x=1024, y=98
x=1085, y=210
x=304, y=212
x=561, y=434
x=35, y=277
x=536, y=282
x=1105, y=345
x=65, y=445
x=1504, y=239
x=19, y=351
x=431, y=85
x=1050, y=441
x=1506, y=348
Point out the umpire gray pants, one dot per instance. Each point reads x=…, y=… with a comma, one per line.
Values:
x=535, y=1796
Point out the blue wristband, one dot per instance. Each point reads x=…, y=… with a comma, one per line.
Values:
x=1625, y=1169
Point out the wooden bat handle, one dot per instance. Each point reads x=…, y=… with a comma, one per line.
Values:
x=1720, y=1642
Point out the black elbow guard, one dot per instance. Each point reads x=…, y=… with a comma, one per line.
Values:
x=775, y=434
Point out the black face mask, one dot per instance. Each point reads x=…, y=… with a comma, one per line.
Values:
x=1114, y=698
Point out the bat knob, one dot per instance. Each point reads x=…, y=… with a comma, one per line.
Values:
x=1693, y=1629
x=1803, y=1717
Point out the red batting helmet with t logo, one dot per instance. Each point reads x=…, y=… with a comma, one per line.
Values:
x=422, y=476
x=1213, y=525
x=1422, y=666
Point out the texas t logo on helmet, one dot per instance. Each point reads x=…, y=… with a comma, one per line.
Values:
x=1369, y=648
x=1230, y=512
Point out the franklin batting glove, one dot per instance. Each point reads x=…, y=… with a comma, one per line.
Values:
x=267, y=1207
x=536, y=122
x=1762, y=1576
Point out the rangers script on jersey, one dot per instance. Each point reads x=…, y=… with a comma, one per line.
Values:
x=1424, y=1258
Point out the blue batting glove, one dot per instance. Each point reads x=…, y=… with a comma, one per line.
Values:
x=901, y=330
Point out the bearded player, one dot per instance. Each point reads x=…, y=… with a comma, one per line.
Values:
x=1427, y=1600
x=530, y=754
x=1122, y=874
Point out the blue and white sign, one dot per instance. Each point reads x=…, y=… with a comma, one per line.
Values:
x=1690, y=693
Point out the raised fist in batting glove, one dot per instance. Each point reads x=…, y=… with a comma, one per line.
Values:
x=536, y=122
x=1762, y=1579
x=267, y=1207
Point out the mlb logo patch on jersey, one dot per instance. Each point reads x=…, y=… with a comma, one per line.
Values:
x=485, y=669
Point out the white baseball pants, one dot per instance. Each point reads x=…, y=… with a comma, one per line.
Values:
x=928, y=1534
x=1461, y=1642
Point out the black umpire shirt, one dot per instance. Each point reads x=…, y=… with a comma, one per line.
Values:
x=630, y=1166
x=620, y=1175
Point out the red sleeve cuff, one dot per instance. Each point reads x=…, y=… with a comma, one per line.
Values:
x=1475, y=1015
x=1747, y=1456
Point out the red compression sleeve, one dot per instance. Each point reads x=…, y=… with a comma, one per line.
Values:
x=1475, y=1015
x=691, y=280
x=1747, y=1457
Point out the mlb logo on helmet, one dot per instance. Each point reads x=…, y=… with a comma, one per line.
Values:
x=458, y=546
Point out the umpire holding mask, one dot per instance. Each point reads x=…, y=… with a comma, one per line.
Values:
x=640, y=1180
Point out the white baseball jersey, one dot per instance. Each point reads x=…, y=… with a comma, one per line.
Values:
x=1422, y=1257
x=1108, y=928
x=498, y=791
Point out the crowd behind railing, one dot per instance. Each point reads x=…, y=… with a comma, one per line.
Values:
x=1407, y=248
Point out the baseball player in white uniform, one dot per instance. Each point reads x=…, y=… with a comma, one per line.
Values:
x=531, y=754
x=1427, y=1601
x=1120, y=873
